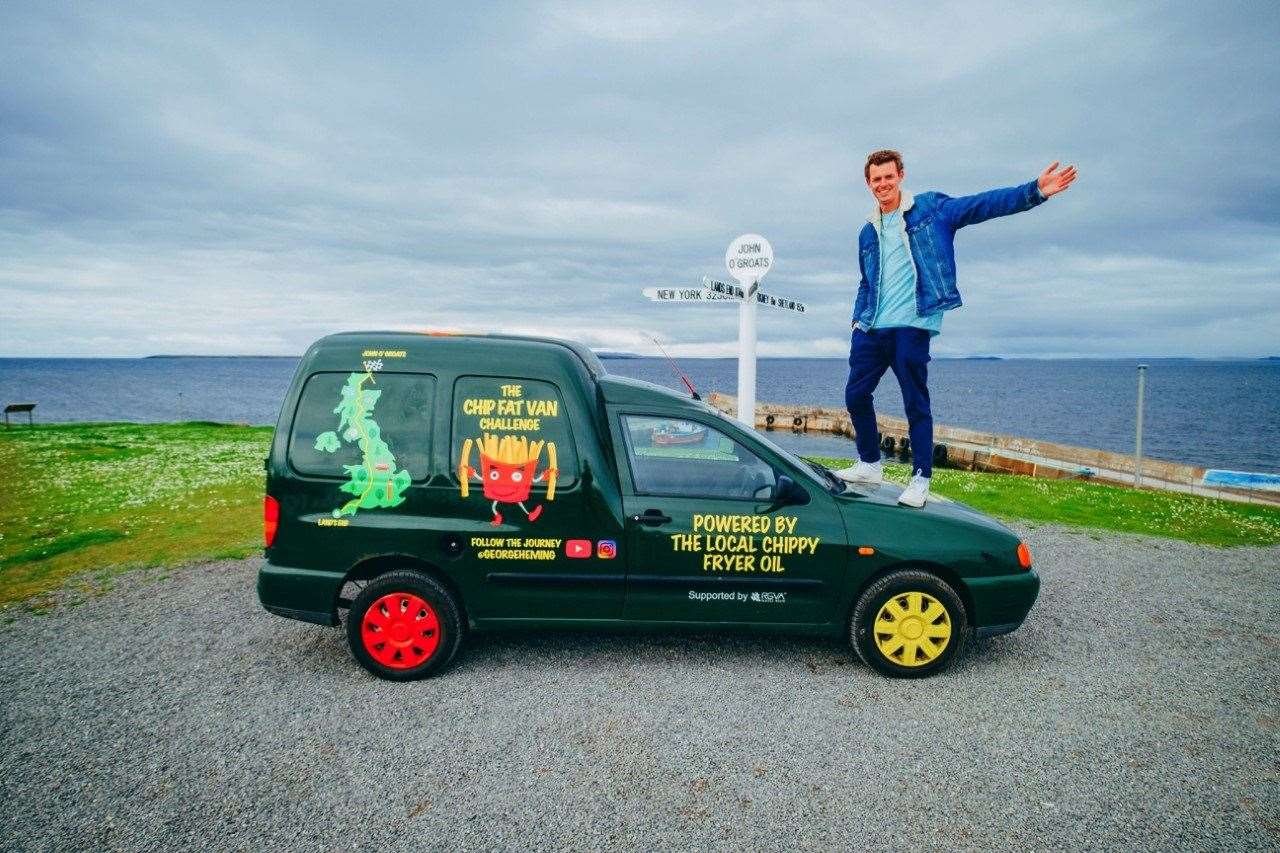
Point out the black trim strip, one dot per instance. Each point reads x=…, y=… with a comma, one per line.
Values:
x=565, y=579
x=997, y=630
x=686, y=580
x=554, y=579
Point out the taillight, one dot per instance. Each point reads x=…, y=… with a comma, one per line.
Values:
x=1024, y=555
x=270, y=519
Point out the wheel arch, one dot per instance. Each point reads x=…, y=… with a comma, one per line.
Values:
x=945, y=573
x=371, y=567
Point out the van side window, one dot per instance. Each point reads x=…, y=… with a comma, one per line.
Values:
x=512, y=421
x=677, y=458
x=339, y=412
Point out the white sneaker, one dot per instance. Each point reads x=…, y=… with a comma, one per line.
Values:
x=863, y=474
x=916, y=492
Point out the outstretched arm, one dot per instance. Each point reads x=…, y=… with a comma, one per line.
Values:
x=972, y=209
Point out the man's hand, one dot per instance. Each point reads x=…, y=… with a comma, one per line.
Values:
x=1051, y=183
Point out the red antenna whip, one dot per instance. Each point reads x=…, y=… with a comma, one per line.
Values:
x=677, y=369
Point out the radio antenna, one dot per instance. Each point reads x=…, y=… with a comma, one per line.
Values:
x=677, y=369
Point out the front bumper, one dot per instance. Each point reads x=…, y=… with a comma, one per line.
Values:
x=1001, y=603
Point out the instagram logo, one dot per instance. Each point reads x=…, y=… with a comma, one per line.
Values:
x=606, y=549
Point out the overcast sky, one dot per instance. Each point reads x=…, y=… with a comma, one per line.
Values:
x=206, y=178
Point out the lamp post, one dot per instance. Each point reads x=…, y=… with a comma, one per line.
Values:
x=1137, y=442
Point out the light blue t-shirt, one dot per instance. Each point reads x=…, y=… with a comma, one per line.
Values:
x=896, y=305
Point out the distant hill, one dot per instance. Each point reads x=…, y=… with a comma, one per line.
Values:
x=607, y=354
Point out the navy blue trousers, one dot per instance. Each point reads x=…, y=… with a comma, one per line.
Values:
x=906, y=351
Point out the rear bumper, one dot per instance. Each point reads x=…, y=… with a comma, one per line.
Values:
x=1001, y=603
x=303, y=615
x=304, y=594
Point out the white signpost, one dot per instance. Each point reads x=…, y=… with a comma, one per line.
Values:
x=749, y=259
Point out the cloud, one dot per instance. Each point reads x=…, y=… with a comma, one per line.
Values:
x=186, y=178
x=653, y=22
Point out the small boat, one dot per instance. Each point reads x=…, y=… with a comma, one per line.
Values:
x=680, y=432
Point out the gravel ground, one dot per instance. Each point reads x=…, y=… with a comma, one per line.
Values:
x=1136, y=709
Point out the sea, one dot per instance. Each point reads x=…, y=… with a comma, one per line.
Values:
x=1213, y=413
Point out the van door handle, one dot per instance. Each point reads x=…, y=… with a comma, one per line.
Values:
x=651, y=517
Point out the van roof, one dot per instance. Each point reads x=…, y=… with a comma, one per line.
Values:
x=624, y=391
x=497, y=353
x=468, y=346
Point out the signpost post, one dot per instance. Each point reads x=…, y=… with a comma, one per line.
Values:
x=748, y=260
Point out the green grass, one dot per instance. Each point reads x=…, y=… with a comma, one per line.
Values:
x=91, y=500
x=111, y=497
x=1074, y=502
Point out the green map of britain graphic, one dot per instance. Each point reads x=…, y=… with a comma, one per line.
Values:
x=375, y=482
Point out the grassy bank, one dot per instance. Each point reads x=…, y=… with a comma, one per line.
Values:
x=1074, y=502
x=103, y=498
x=110, y=497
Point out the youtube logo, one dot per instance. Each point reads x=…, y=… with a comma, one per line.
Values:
x=577, y=549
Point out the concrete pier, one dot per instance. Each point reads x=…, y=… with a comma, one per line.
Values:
x=984, y=451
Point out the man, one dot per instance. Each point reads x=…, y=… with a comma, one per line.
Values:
x=906, y=254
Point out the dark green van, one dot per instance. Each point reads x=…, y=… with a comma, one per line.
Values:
x=434, y=484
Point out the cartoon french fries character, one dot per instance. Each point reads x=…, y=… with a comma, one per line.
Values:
x=507, y=471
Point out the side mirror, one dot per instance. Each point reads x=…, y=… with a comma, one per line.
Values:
x=788, y=492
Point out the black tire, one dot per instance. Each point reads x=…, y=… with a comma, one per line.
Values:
x=446, y=629
x=898, y=584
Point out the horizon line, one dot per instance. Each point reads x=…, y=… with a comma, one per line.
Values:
x=621, y=356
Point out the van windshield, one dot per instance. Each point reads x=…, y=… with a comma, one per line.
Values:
x=818, y=472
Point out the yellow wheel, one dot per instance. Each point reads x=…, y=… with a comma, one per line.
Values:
x=912, y=629
x=908, y=624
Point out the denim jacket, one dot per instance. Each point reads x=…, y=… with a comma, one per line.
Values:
x=930, y=221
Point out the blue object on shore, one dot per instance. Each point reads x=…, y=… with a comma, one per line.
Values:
x=1242, y=480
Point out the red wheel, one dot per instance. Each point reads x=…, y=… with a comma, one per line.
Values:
x=404, y=625
x=400, y=630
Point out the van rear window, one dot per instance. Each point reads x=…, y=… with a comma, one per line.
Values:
x=515, y=422
x=343, y=416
